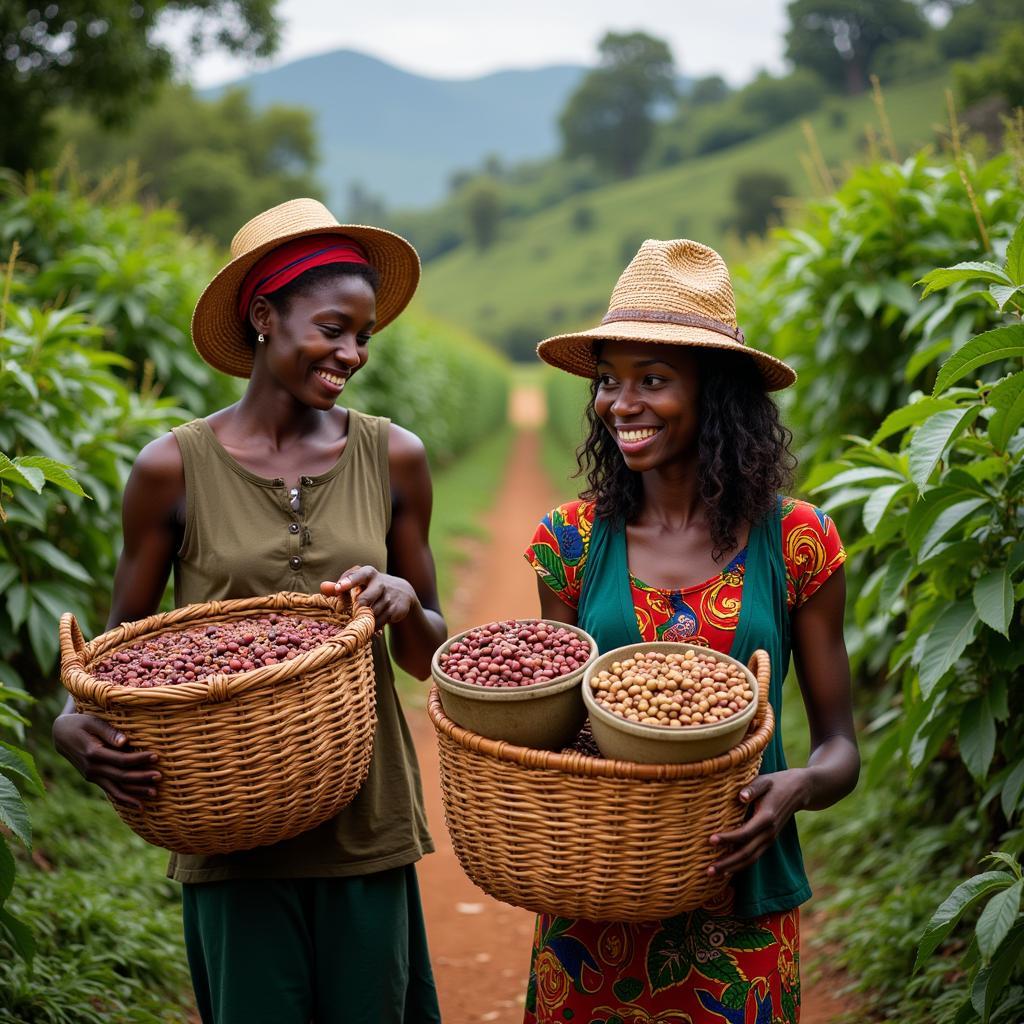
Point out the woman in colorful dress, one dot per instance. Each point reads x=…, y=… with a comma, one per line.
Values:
x=286, y=490
x=684, y=534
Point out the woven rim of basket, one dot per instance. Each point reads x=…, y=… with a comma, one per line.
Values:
x=75, y=653
x=597, y=767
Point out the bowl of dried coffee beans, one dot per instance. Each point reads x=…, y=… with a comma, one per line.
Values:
x=516, y=680
x=668, y=703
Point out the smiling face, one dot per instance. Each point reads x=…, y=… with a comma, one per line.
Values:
x=317, y=338
x=648, y=399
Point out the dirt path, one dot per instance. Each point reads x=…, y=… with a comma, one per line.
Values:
x=480, y=947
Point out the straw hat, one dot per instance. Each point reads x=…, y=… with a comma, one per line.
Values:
x=674, y=293
x=218, y=333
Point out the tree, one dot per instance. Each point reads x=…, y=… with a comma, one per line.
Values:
x=995, y=74
x=610, y=116
x=104, y=56
x=756, y=199
x=483, y=210
x=838, y=38
x=219, y=161
x=776, y=100
x=711, y=89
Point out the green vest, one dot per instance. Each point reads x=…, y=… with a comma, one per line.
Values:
x=246, y=536
x=776, y=881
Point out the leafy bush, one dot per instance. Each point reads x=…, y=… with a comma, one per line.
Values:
x=835, y=298
x=943, y=515
x=444, y=385
x=105, y=919
x=136, y=273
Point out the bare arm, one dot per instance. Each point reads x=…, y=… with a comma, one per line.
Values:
x=823, y=671
x=153, y=495
x=553, y=607
x=405, y=597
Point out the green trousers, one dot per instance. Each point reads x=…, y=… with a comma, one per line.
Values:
x=302, y=950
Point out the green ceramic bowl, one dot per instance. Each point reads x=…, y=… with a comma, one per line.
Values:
x=545, y=716
x=618, y=738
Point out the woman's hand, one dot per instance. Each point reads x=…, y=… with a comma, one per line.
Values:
x=390, y=598
x=101, y=754
x=775, y=799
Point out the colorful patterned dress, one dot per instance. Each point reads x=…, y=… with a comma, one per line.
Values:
x=707, y=966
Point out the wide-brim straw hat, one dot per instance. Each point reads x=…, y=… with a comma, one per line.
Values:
x=219, y=334
x=675, y=293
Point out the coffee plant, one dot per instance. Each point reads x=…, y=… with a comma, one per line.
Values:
x=939, y=488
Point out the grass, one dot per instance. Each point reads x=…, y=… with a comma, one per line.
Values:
x=543, y=276
x=106, y=920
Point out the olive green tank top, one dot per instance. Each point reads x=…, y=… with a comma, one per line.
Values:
x=246, y=536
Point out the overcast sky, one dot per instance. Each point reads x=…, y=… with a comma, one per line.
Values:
x=465, y=38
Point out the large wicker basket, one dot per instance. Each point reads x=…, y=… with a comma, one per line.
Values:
x=245, y=760
x=579, y=836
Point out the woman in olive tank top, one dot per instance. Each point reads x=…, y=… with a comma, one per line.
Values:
x=684, y=535
x=285, y=490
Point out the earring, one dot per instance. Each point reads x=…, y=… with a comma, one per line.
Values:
x=261, y=339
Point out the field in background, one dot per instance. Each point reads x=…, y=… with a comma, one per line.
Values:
x=545, y=274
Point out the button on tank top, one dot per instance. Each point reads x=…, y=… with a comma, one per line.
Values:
x=245, y=536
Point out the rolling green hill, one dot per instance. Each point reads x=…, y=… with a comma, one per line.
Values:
x=548, y=273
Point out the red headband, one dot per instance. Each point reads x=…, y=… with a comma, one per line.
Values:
x=285, y=263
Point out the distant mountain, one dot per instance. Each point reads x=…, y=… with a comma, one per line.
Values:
x=401, y=135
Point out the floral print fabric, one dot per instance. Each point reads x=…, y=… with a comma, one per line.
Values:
x=706, y=613
x=704, y=967
x=707, y=966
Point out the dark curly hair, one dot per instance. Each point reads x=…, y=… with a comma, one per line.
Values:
x=307, y=282
x=743, y=452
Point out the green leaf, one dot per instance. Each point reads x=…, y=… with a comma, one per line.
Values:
x=17, y=605
x=867, y=297
x=19, y=934
x=859, y=475
x=949, y=637
x=6, y=870
x=992, y=979
x=721, y=968
x=990, y=347
x=878, y=504
x=1012, y=789
x=977, y=737
x=993, y=597
x=947, y=521
x=8, y=574
x=56, y=559
x=42, y=634
x=13, y=812
x=997, y=918
x=668, y=959
x=735, y=995
x=26, y=476
x=958, y=902
x=932, y=438
x=936, y=280
x=897, y=572
x=1007, y=398
x=627, y=989
x=554, y=570
x=15, y=761
x=1004, y=293
x=1014, y=266
x=55, y=472
x=909, y=416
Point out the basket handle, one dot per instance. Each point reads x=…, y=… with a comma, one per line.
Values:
x=761, y=665
x=72, y=643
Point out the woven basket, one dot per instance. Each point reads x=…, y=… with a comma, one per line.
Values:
x=579, y=836
x=245, y=760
